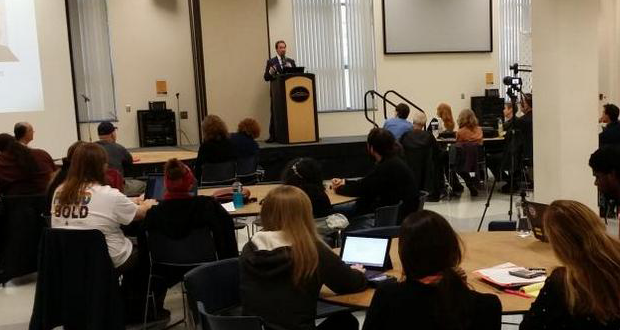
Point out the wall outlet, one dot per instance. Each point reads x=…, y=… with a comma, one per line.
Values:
x=183, y=114
x=128, y=107
x=462, y=96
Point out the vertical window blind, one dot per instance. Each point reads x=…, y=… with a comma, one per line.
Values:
x=515, y=39
x=334, y=40
x=92, y=62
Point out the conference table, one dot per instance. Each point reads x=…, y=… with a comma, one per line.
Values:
x=157, y=157
x=259, y=192
x=481, y=250
x=485, y=140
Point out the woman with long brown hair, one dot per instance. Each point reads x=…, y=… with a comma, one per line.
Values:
x=469, y=130
x=585, y=292
x=434, y=294
x=84, y=201
x=446, y=121
x=216, y=146
x=284, y=267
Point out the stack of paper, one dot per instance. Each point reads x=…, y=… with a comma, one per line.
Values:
x=532, y=290
x=499, y=276
x=229, y=207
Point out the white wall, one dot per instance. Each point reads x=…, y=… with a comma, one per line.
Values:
x=426, y=79
x=150, y=40
x=609, y=55
x=55, y=126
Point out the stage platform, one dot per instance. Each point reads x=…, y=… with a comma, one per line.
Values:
x=339, y=157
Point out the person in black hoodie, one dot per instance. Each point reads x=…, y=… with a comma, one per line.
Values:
x=284, y=267
x=390, y=182
x=179, y=213
x=434, y=294
x=305, y=174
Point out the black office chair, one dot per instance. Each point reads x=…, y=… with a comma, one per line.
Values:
x=184, y=254
x=215, y=288
x=387, y=215
x=219, y=322
x=21, y=225
x=391, y=231
x=218, y=174
x=502, y=226
x=247, y=170
x=77, y=285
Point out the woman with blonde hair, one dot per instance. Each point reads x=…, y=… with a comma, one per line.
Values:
x=469, y=130
x=585, y=292
x=216, y=146
x=446, y=122
x=284, y=267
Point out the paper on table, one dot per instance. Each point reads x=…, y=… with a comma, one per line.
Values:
x=229, y=207
x=500, y=276
x=532, y=290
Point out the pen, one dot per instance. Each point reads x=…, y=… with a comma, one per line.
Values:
x=517, y=293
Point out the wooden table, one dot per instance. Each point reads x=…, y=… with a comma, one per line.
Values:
x=453, y=140
x=156, y=157
x=482, y=250
x=260, y=191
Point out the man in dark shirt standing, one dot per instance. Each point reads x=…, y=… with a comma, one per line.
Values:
x=274, y=67
x=118, y=157
x=611, y=132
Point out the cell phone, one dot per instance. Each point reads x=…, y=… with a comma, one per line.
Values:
x=526, y=273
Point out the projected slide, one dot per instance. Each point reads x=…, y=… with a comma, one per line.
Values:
x=20, y=69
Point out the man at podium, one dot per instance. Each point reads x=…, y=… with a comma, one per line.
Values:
x=274, y=67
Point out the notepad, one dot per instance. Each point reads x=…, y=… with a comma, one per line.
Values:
x=229, y=207
x=532, y=290
x=499, y=275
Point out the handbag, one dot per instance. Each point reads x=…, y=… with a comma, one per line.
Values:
x=225, y=195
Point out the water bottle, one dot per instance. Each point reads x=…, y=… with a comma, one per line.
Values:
x=237, y=188
x=500, y=126
x=524, y=228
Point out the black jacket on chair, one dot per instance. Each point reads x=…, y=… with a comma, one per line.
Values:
x=21, y=224
x=77, y=286
x=421, y=153
x=176, y=218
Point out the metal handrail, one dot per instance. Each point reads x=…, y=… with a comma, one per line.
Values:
x=391, y=91
x=374, y=93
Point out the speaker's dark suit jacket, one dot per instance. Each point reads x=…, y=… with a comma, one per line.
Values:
x=275, y=62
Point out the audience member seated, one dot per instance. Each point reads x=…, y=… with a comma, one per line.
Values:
x=61, y=175
x=216, y=146
x=611, y=132
x=390, y=182
x=23, y=171
x=244, y=141
x=118, y=157
x=422, y=154
x=284, y=267
x=24, y=133
x=524, y=125
x=444, y=119
x=497, y=161
x=180, y=213
x=83, y=201
x=605, y=164
x=585, y=292
x=305, y=174
x=399, y=124
x=469, y=131
x=434, y=294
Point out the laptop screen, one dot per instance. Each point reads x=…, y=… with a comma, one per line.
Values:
x=155, y=187
x=367, y=251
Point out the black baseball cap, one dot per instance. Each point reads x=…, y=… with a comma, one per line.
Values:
x=105, y=128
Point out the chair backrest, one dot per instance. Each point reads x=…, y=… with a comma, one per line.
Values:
x=219, y=322
x=247, y=165
x=502, y=226
x=77, y=285
x=391, y=231
x=422, y=199
x=214, y=174
x=387, y=215
x=196, y=248
x=21, y=225
x=463, y=156
x=215, y=285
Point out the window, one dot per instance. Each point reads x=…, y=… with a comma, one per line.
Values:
x=92, y=62
x=516, y=39
x=334, y=40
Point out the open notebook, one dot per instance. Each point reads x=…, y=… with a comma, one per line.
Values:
x=499, y=276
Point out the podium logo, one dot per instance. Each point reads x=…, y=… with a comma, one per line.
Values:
x=299, y=94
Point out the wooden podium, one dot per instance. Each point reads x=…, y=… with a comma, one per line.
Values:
x=294, y=108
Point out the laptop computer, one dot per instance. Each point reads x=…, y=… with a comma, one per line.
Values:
x=297, y=69
x=155, y=187
x=534, y=213
x=372, y=252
